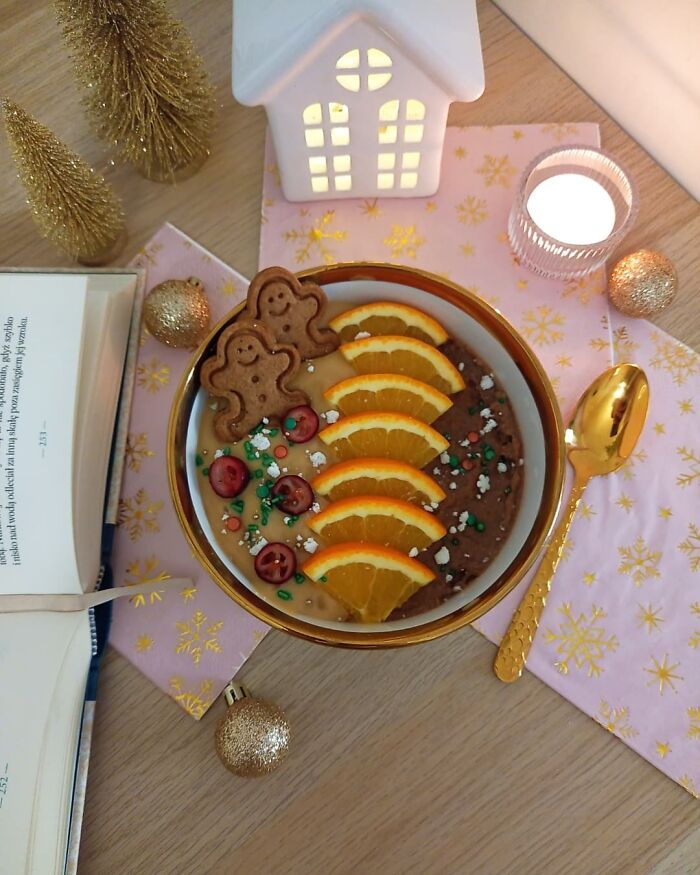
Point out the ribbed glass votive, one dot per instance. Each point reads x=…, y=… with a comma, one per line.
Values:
x=572, y=205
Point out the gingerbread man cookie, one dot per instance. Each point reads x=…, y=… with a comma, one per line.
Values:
x=292, y=310
x=251, y=372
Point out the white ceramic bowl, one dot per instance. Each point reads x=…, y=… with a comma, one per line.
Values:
x=516, y=368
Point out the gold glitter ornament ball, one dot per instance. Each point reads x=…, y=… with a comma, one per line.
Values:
x=176, y=312
x=252, y=738
x=643, y=283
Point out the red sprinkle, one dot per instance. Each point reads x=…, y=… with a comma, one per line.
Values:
x=472, y=437
x=233, y=523
x=467, y=464
x=280, y=452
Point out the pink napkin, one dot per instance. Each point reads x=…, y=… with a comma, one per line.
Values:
x=620, y=637
x=191, y=640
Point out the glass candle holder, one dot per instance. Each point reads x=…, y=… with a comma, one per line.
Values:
x=573, y=207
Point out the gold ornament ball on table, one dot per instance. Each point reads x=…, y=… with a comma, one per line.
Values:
x=176, y=312
x=252, y=737
x=643, y=283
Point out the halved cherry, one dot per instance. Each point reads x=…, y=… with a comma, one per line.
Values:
x=275, y=563
x=295, y=493
x=300, y=424
x=228, y=476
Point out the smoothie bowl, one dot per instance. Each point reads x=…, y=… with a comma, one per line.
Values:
x=365, y=455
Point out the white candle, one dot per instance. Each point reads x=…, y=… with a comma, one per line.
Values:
x=572, y=208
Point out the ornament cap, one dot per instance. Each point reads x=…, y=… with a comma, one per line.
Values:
x=234, y=692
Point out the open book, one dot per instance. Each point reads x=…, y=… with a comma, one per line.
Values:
x=63, y=346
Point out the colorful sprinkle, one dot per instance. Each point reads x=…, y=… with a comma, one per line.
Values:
x=471, y=520
x=473, y=410
x=289, y=423
x=455, y=541
x=454, y=461
x=284, y=594
x=323, y=578
x=198, y=460
x=273, y=432
x=258, y=473
x=280, y=452
x=252, y=527
x=227, y=451
x=467, y=464
x=262, y=491
x=489, y=454
x=247, y=446
x=205, y=471
x=480, y=527
x=298, y=577
x=237, y=505
x=233, y=523
x=472, y=437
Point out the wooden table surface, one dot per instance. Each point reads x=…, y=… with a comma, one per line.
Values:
x=411, y=761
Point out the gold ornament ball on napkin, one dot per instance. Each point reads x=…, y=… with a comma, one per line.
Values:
x=252, y=738
x=643, y=283
x=176, y=312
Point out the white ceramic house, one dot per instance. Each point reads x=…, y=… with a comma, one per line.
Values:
x=357, y=93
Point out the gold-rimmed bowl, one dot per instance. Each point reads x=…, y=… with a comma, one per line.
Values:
x=484, y=330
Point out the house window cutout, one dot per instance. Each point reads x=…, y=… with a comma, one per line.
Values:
x=409, y=180
x=312, y=114
x=410, y=160
x=385, y=180
x=388, y=133
x=341, y=164
x=314, y=138
x=375, y=60
x=338, y=113
x=389, y=111
x=319, y=184
x=415, y=110
x=318, y=164
x=386, y=161
x=340, y=136
x=343, y=183
x=412, y=133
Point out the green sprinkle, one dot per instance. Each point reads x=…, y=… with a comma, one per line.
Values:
x=258, y=473
x=298, y=577
x=267, y=459
x=455, y=541
x=284, y=594
x=501, y=400
x=250, y=457
x=480, y=526
x=227, y=451
x=471, y=520
x=473, y=410
x=265, y=519
x=482, y=404
x=205, y=471
x=291, y=520
x=238, y=504
x=289, y=423
x=323, y=578
x=454, y=461
x=252, y=527
x=276, y=499
x=273, y=432
x=248, y=447
x=489, y=454
x=507, y=490
x=447, y=436
x=262, y=491
x=198, y=460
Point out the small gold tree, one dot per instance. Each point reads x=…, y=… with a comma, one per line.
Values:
x=148, y=94
x=72, y=205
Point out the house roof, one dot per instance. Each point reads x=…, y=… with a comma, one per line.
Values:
x=273, y=40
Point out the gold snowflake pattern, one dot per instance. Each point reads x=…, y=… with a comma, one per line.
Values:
x=685, y=405
x=467, y=249
x=430, y=207
x=694, y=640
x=371, y=208
x=404, y=240
x=188, y=593
x=543, y=325
x=522, y=284
x=629, y=469
x=274, y=171
x=142, y=571
x=143, y=643
x=195, y=702
x=615, y=720
x=518, y=134
x=581, y=640
x=639, y=561
x=152, y=376
x=560, y=131
x=625, y=502
x=148, y=255
x=566, y=549
x=589, y=578
x=460, y=153
x=564, y=361
x=688, y=784
x=314, y=238
x=692, y=459
x=584, y=289
x=472, y=210
x=665, y=513
x=660, y=428
x=266, y=204
x=137, y=450
x=691, y=547
x=497, y=170
x=623, y=347
x=230, y=287
x=196, y=637
x=586, y=511
x=663, y=749
x=649, y=617
x=139, y=515
x=694, y=728
x=663, y=673
x=674, y=357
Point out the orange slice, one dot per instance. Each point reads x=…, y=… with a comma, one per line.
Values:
x=404, y=355
x=370, y=581
x=377, y=520
x=384, y=435
x=388, y=317
x=377, y=477
x=388, y=392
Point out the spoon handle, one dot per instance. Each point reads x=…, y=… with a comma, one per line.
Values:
x=516, y=643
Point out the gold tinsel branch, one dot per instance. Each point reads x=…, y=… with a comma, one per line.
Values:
x=148, y=94
x=71, y=204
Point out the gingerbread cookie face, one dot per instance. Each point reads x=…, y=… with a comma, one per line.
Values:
x=292, y=310
x=251, y=373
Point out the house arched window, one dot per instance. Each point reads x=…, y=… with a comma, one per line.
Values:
x=326, y=132
x=399, y=134
x=371, y=68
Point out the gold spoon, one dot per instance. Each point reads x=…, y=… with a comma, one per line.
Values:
x=604, y=430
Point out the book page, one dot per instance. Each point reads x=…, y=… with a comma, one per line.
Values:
x=41, y=324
